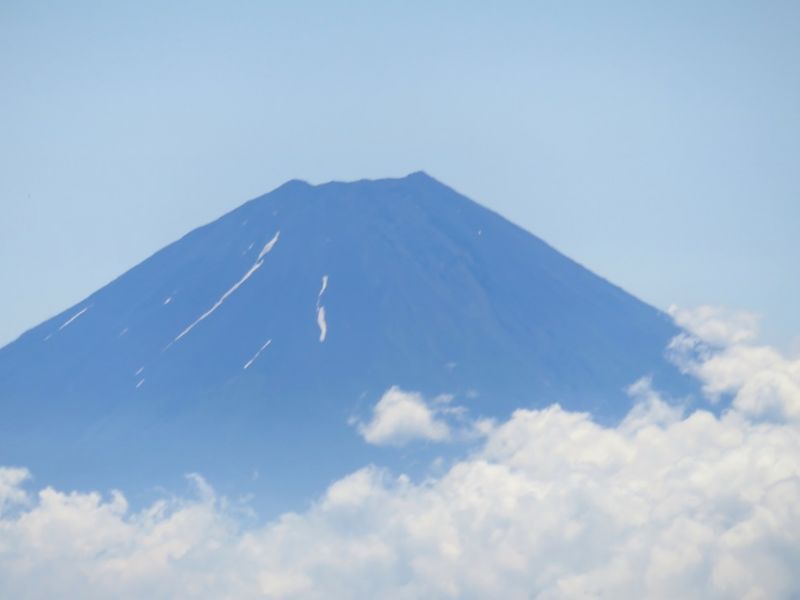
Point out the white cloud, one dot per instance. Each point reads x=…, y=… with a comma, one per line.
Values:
x=400, y=417
x=763, y=382
x=10, y=490
x=550, y=505
x=715, y=325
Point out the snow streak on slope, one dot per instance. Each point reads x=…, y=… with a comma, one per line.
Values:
x=255, y=356
x=73, y=317
x=323, y=325
x=268, y=246
x=259, y=261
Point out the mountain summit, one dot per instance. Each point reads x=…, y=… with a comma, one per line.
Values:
x=262, y=333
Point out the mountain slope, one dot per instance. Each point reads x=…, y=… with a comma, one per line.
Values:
x=261, y=333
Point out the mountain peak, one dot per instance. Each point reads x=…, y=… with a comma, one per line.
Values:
x=420, y=176
x=416, y=177
x=275, y=325
x=293, y=184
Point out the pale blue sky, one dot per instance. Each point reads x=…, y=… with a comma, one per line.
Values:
x=658, y=144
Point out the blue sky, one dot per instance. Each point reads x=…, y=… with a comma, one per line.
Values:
x=656, y=144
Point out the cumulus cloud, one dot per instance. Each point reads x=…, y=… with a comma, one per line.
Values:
x=10, y=492
x=401, y=416
x=549, y=505
x=716, y=325
x=762, y=381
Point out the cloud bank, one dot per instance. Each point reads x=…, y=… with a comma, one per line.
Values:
x=550, y=505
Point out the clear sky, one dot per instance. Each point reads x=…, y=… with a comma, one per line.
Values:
x=656, y=143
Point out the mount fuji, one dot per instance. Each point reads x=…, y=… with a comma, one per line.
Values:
x=247, y=349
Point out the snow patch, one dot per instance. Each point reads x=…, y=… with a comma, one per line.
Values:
x=73, y=317
x=139, y=371
x=222, y=299
x=123, y=332
x=269, y=245
x=168, y=300
x=141, y=381
x=321, y=323
x=255, y=356
x=236, y=286
x=324, y=286
x=323, y=326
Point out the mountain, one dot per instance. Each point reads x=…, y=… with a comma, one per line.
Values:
x=243, y=349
